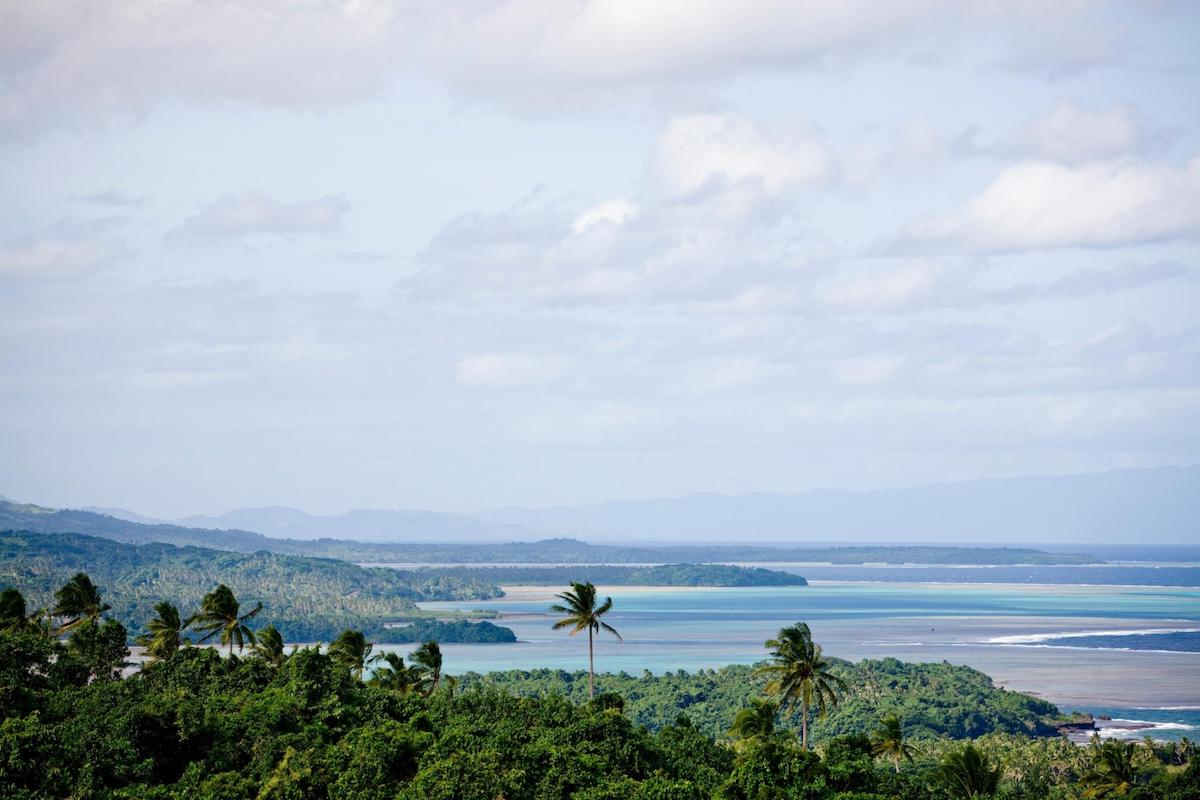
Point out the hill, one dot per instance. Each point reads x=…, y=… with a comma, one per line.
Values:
x=308, y=599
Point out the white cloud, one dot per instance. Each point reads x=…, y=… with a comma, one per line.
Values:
x=615, y=212
x=697, y=150
x=237, y=216
x=1073, y=134
x=508, y=370
x=1039, y=205
x=59, y=257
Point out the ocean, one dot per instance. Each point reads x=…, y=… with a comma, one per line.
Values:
x=1127, y=650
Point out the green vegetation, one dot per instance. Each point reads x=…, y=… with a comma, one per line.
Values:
x=932, y=700
x=608, y=575
x=308, y=599
x=302, y=726
x=801, y=676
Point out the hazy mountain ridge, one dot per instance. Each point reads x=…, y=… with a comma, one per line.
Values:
x=1160, y=505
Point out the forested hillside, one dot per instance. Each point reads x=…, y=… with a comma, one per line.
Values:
x=308, y=599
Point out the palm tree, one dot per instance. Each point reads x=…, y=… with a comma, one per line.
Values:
x=966, y=773
x=801, y=675
x=352, y=650
x=14, y=617
x=395, y=675
x=220, y=612
x=1113, y=772
x=164, y=633
x=755, y=722
x=888, y=740
x=77, y=602
x=269, y=646
x=428, y=657
x=579, y=605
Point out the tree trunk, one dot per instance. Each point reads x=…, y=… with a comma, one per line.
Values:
x=804, y=726
x=591, y=669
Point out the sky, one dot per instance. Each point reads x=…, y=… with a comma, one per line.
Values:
x=459, y=256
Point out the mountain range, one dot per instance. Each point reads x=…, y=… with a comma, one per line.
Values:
x=1158, y=505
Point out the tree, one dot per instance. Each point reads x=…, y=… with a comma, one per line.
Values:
x=164, y=633
x=755, y=722
x=352, y=650
x=888, y=740
x=14, y=617
x=269, y=646
x=1113, y=772
x=800, y=675
x=394, y=675
x=77, y=601
x=579, y=605
x=428, y=658
x=220, y=613
x=966, y=773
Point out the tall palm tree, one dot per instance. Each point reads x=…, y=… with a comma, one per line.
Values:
x=755, y=722
x=164, y=633
x=352, y=650
x=428, y=658
x=888, y=740
x=1113, y=772
x=800, y=675
x=967, y=773
x=269, y=646
x=77, y=602
x=220, y=612
x=579, y=605
x=395, y=675
x=14, y=617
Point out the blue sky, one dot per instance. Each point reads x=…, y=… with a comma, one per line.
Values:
x=459, y=256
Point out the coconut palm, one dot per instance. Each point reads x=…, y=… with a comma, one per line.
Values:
x=269, y=646
x=1113, y=770
x=428, y=660
x=579, y=605
x=394, y=675
x=800, y=675
x=888, y=740
x=755, y=722
x=352, y=650
x=164, y=633
x=966, y=773
x=14, y=617
x=77, y=602
x=220, y=612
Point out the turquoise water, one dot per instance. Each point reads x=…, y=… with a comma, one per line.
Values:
x=1027, y=637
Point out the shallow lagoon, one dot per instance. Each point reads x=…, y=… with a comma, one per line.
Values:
x=1002, y=629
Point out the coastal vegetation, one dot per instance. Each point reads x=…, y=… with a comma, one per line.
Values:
x=615, y=575
x=583, y=612
x=307, y=599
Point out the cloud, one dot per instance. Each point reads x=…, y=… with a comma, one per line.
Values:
x=613, y=212
x=60, y=64
x=111, y=198
x=237, y=216
x=59, y=256
x=697, y=150
x=508, y=370
x=1039, y=205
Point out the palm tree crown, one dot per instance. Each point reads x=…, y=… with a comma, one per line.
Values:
x=800, y=675
x=77, y=602
x=164, y=633
x=755, y=722
x=888, y=740
x=220, y=612
x=428, y=658
x=14, y=617
x=968, y=774
x=1113, y=772
x=269, y=646
x=352, y=650
x=395, y=675
x=579, y=604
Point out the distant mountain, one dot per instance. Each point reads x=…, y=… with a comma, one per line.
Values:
x=125, y=514
x=368, y=525
x=1160, y=505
